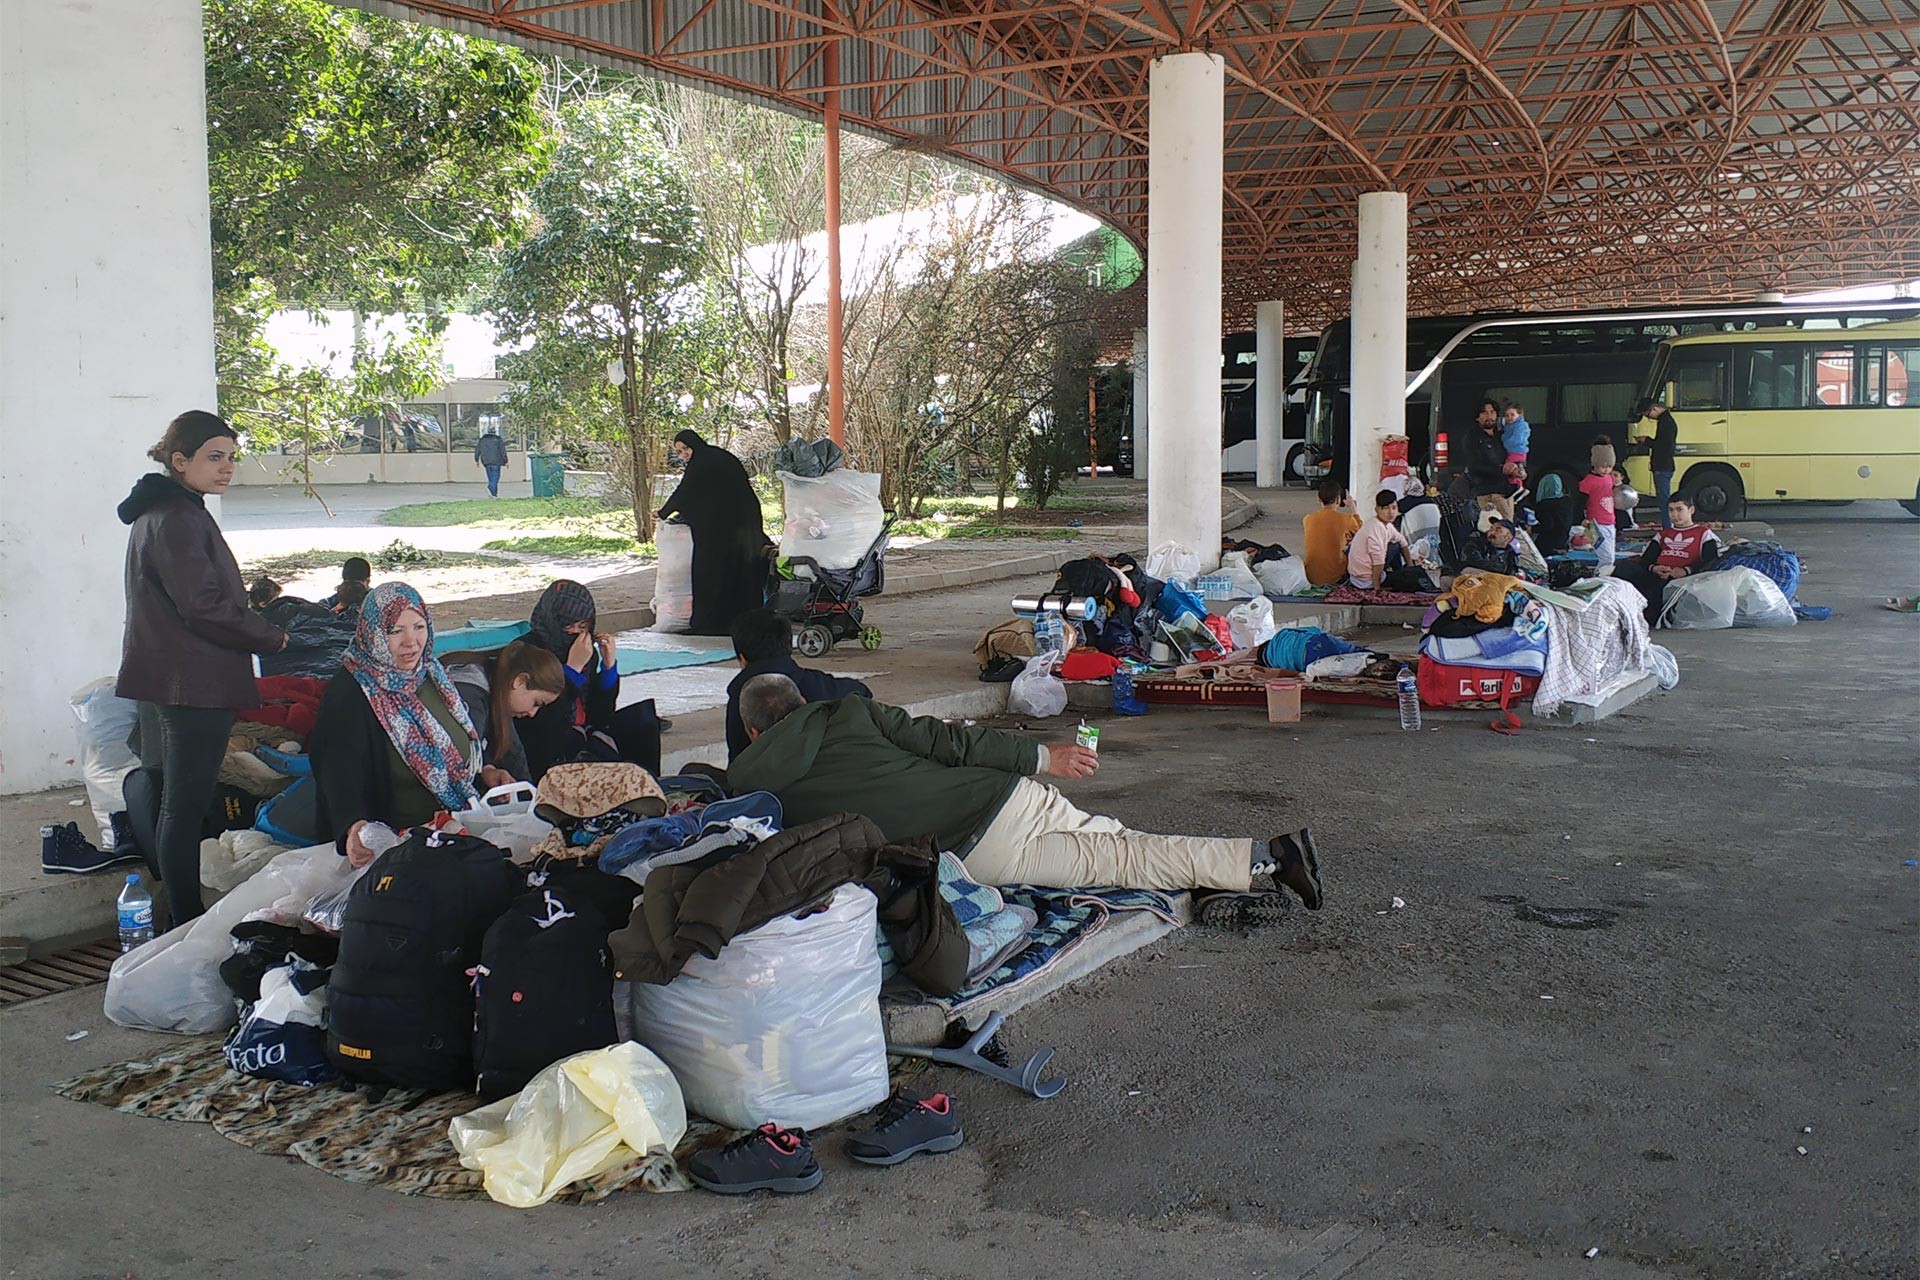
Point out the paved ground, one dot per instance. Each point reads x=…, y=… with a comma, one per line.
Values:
x=1350, y=1094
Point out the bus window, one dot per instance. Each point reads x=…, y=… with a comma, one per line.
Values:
x=1832, y=369
x=1533, y=401
x=1890, y=375
x=1773, y=379
x=1608, y=402
x=1699, y=378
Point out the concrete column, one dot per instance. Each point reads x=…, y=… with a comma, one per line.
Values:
x=1185, y=186
x=1270, y=395
x=1139, y=404
x=106, y=332
x=1379, y=342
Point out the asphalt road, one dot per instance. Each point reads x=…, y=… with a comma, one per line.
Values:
x=1365, y=1092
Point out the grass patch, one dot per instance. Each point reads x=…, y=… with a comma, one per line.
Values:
x=503, y=513
x=296, y=563
x=573, y=544
x=963, y=529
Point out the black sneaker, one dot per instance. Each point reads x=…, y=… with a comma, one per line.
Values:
x=65, y=852
x=1296, y=865
x=1242, y=911
x=906, y=1125
x=768, y=1159
x=124, y=843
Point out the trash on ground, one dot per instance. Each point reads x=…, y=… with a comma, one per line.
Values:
x=81, y=1035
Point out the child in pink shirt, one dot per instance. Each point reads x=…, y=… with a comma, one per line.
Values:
x=1598, y=486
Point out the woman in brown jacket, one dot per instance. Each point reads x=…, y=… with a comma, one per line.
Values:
x=189, y=634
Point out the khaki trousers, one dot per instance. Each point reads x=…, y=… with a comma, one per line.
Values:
x=1039, y=837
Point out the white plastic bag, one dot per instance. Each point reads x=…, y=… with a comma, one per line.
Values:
x=581, y=1116
x=1759, y=600
x=1038, y=689
x=284, y=1034
x=673, y=577
x=1171, y=562
x=173, y=983
x=832, y=518
x=505, y=818
x=233, y=856
x=1242, y=582
x=782, y=1026
x=1284, y=577
x=106, y=719
x=1252, y=623
x=1666, y=667
x=1737, y=597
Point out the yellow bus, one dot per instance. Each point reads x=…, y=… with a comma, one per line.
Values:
x=1790, y=414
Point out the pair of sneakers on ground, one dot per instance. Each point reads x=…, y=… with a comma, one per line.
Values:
x=775, y=1159
x=1293, y=863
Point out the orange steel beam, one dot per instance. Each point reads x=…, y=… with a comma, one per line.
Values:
x=836, y=303
x=1595, y=149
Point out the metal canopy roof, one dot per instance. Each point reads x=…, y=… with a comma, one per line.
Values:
x=1555, y=152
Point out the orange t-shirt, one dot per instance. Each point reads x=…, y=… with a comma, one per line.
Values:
x=1327, y=532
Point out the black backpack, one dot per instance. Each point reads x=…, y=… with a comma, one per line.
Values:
x=544, y=989
x=400, y=1004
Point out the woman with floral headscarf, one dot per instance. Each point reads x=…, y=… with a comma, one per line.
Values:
x=586, y=722
x=394, y=743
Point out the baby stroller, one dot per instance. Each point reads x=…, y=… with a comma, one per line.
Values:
x=825, y=603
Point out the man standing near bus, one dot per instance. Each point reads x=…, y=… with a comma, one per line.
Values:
x=1486, y=460
x=1666, y=434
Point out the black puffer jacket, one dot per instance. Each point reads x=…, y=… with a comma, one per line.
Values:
x=698, y=907
x=189, y=631
x=1486, y=459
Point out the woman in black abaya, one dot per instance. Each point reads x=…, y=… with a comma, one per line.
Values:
x=718, y=504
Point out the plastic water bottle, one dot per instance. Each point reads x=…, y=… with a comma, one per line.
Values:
x=1409, y=689
x=1049, y=632
x=136, y=914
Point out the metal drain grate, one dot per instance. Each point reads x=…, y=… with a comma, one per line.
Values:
x=64, y=971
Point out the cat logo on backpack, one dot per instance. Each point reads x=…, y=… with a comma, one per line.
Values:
x=386, y=883
x=355, y=1051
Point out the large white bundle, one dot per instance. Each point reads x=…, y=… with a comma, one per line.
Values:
x=673, y=577
x=832, y=518
x=783, y=1025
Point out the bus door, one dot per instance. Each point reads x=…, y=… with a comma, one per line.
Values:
x=1774, y=397
x=1866, y=432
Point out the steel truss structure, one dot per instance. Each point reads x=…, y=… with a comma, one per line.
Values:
x=1555, y=152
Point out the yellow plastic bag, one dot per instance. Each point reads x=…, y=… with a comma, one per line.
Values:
x=581, y=1116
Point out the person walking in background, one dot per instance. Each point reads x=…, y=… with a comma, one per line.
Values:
x=490, y=451
x=1664, y=442
x=717, y=501
x=189, y=633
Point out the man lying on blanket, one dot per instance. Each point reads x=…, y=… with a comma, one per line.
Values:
x=972, y=790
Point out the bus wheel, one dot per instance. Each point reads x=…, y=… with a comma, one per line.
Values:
x=1296, y=471
x=1716, y=492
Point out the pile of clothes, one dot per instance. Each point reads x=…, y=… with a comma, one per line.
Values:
x=445, y=964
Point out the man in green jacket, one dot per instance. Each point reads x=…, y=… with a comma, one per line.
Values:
x=972, y=790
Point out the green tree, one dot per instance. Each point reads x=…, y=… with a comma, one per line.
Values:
x=607, y=285
x=358, y=162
